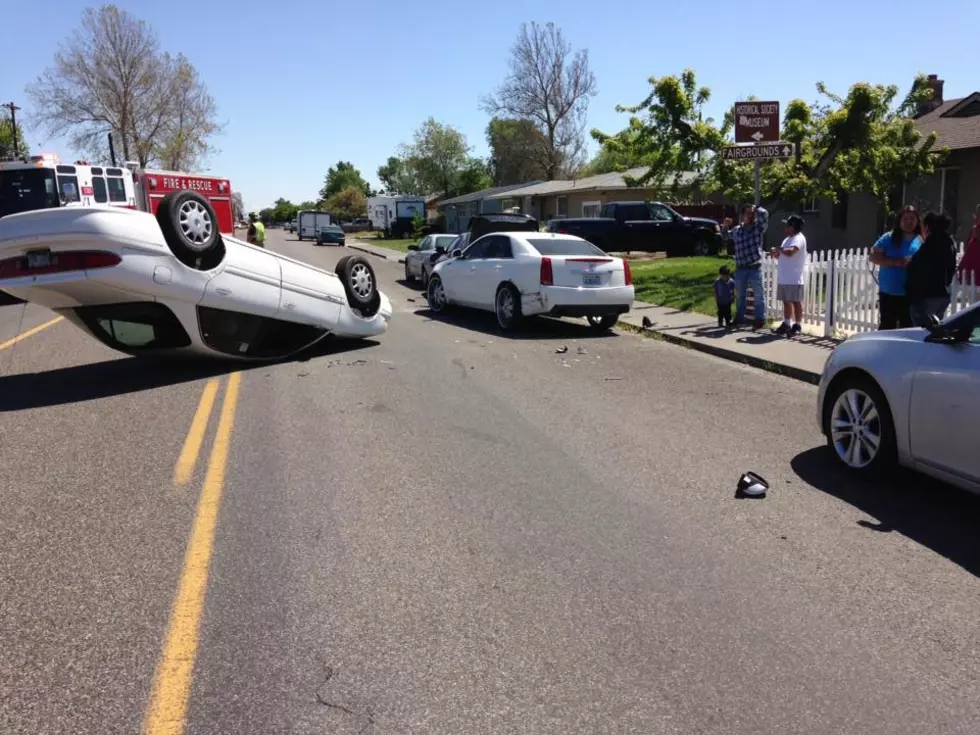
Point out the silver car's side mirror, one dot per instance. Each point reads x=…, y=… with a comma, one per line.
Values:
x=456, y=253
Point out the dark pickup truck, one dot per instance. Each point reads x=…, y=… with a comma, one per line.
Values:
x=649, y=227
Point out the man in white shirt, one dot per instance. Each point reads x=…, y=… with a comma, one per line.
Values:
x=789, y=281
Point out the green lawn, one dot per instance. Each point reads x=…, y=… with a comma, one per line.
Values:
x=679, y=283
x=375, y=239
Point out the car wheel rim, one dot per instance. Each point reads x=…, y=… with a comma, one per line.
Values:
x=855, y=428
x=505, y=307
x=595, y=321
x=195, y=223
x=701, y=248
x=437, y=297
x=361, y=282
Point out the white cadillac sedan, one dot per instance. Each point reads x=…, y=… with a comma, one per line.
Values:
x=170, y=283
x=519, y=274
x=909, y=397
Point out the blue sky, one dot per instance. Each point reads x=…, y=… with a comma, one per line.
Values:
x=303, y=84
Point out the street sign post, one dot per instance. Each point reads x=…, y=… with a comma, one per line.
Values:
x=763, y=152
x=756, y=122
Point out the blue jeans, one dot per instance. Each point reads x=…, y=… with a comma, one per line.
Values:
x=749, y=278
x=921, y=309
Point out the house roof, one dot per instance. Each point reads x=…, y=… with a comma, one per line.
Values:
x=955, y=122
x=476, y=196
x=603, y=182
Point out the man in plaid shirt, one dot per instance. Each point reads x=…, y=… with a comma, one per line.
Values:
x=749, y=240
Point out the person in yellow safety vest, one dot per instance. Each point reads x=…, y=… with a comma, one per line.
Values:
x=256, y=231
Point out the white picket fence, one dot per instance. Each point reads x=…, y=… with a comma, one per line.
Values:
x=841, y=292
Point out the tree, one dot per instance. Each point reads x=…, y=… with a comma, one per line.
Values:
x=238, y=205
x=517, y=148
x=343, y=176
x=284, y=210
x=110, y=76
x=7, y=140
x=668, y=134
x=190, y=123
x=551, y=87
x=439, y=155
x=398, y=176
x=347, y=204
x=475, y=176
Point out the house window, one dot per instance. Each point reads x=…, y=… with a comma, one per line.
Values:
x=561, y=206
x=949, y=193
x=838, y=212
x=811, y=206
x=591, y=209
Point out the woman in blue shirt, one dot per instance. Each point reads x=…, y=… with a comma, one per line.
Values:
x=892, y=254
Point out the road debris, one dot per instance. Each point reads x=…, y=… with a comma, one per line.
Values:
x=582, y=350
x=647, y=324
x=561, y=350
x=612, y=378
x=752, y=485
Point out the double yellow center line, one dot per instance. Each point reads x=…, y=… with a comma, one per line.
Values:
x=167, y=711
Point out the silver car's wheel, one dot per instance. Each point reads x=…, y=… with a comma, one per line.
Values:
x=855, y=428
x=437, y=295
x=361, y=280
x=195, y=224
x=859, y=425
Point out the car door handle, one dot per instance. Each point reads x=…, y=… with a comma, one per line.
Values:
x=499, y=267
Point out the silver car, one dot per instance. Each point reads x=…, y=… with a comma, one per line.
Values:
x=429, y=248
x=908, y=397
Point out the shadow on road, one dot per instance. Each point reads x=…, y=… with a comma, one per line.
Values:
x=531, y=328
x=7, y=300
x=931, y=513
x=134, y=374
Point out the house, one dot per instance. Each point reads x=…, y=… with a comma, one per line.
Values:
x=856, y=220
x=459, y=210
x=432, y=206
x=581, y=197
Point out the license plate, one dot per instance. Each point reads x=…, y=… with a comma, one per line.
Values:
x=39, y=259
x=591, y=279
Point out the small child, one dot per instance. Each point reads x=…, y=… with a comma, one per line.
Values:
x=724, y=296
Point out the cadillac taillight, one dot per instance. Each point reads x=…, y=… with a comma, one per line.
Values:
x=547, y=274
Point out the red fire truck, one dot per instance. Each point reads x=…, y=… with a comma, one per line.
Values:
x=41, y=182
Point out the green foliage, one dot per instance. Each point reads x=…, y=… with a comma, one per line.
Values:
x=667, y=133
x=343, y=176
x=437, y=161
x=398, y=176
x=519, y=152
x=418, y=224
x=474, y=177
x=347, y=204
x=7, y=140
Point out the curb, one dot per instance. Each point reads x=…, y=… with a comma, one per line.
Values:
x=806, y=376
x=375, y=253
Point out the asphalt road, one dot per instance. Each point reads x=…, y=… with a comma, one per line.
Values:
x=450, y=531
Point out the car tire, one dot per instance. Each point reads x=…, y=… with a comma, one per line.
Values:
x=602, y=323
x=507, y=307
x=436, y=295
x=190, y=229
x=702, y=247
x=851, y=437
x=424, y=277
x=360, y=284
x=408, y=275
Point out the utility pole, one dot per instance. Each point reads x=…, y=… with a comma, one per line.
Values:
x=13, y=124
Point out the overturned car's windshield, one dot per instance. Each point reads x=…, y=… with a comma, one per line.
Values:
x=23, y=190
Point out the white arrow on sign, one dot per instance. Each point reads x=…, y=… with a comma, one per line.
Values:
x=787, y=150
x=757, y=136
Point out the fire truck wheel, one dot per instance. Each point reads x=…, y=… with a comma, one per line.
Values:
x=189, y=225
x=360, y=284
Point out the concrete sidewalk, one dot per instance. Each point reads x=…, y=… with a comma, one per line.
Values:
x=378, y=251
x=801, y=357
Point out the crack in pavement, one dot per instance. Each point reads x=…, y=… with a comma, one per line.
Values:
x=368, y=714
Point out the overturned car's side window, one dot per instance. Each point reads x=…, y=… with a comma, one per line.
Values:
x=248, y=335
x=135, y=326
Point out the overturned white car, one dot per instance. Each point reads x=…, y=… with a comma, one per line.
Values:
x=171, y=283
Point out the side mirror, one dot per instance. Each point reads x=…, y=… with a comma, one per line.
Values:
x=413, y=247
x=456, y=253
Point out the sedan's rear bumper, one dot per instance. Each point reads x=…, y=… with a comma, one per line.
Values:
x=581, y=301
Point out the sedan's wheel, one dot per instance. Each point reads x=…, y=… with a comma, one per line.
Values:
x=437, y=295
x=424, y=277
x=360, y=284
x=408, y=273
x=859, y=427
x=602, y=323
x=189, y=226
x=507, y=307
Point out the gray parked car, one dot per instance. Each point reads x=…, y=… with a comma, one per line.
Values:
x=429, y=248
x=908, y=397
